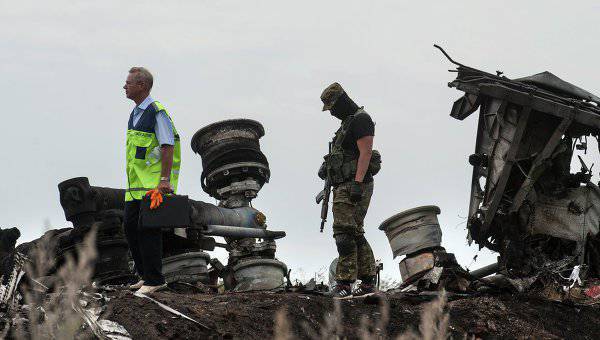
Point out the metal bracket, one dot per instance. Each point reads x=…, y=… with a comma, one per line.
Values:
x=541, y=157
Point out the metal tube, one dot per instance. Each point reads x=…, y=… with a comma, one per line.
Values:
x=109, y=198
x=240, y=232
x=209, y=214
x=485, y=271
x=82, y=202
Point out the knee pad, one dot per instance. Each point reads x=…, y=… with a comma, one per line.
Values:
x=360, y=240
x=345, y=244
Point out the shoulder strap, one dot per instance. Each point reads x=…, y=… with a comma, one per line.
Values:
x=158, y=107
x=341, y=135
x=130, y=121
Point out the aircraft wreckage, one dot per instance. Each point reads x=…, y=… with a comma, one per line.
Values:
x=235, y=170
x=525, y=204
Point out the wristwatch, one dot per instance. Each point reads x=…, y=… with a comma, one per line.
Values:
x=165, y=179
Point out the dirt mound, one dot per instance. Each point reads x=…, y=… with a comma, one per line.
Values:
x=252, y=315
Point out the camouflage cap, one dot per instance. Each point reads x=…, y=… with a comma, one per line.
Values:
x=330, y=95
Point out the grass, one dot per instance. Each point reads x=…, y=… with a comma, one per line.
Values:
x=53, y=309
x=433, y=324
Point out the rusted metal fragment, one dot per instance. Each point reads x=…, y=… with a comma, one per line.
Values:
x=415, y=265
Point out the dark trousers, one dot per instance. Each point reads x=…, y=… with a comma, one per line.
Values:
x=145, y=246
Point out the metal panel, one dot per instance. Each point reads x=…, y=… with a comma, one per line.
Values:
x=555, y=84
x=412, y=266
x=413, y=230
x=571, y=217
x=509, y=160
x=464, y=106
x=584, y=115
x=187, y=267
x=546, y=152
x=426, y=236
x=259, y=274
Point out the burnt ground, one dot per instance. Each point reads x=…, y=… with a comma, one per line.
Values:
x=251, y=315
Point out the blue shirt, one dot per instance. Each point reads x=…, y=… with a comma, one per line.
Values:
x=163, y=128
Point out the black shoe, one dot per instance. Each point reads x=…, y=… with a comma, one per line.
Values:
x=341, y=291
x=364, y=289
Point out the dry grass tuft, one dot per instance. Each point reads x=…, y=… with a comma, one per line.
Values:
x=283, y=328
x=379, y=330
x=434, y=322
x=433, y=325
x=334, y=326
x=51, y=310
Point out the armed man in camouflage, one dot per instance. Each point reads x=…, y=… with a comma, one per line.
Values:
x=350, y=167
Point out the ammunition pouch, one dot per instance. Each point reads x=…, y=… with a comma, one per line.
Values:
x=349, y=170
x=322, y=173
x=335, y=162
x=342, y=167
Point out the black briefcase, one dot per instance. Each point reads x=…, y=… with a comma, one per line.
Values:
x=173, y=212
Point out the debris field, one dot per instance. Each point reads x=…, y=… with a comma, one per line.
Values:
x=252, y=315
x=527, y=204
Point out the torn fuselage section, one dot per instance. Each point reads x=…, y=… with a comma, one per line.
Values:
x=526, y=203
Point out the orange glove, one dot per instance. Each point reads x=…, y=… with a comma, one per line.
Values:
x=155, y=198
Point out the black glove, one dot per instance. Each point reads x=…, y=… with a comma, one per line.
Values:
x=323, y=171
x=356, y=192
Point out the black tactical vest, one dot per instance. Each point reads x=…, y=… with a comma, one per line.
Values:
x=342, y=164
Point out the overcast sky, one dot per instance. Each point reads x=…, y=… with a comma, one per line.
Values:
x=63, y=65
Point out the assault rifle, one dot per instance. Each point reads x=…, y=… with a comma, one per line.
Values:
x=324, y=196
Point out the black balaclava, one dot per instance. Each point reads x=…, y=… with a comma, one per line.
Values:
x=343, y=107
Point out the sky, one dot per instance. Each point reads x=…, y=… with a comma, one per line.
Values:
x=63, y=65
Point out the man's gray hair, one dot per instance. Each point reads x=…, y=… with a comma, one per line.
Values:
x=143, y=75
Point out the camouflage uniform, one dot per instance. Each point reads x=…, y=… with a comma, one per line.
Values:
x=355, y=255
x=355, y=260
